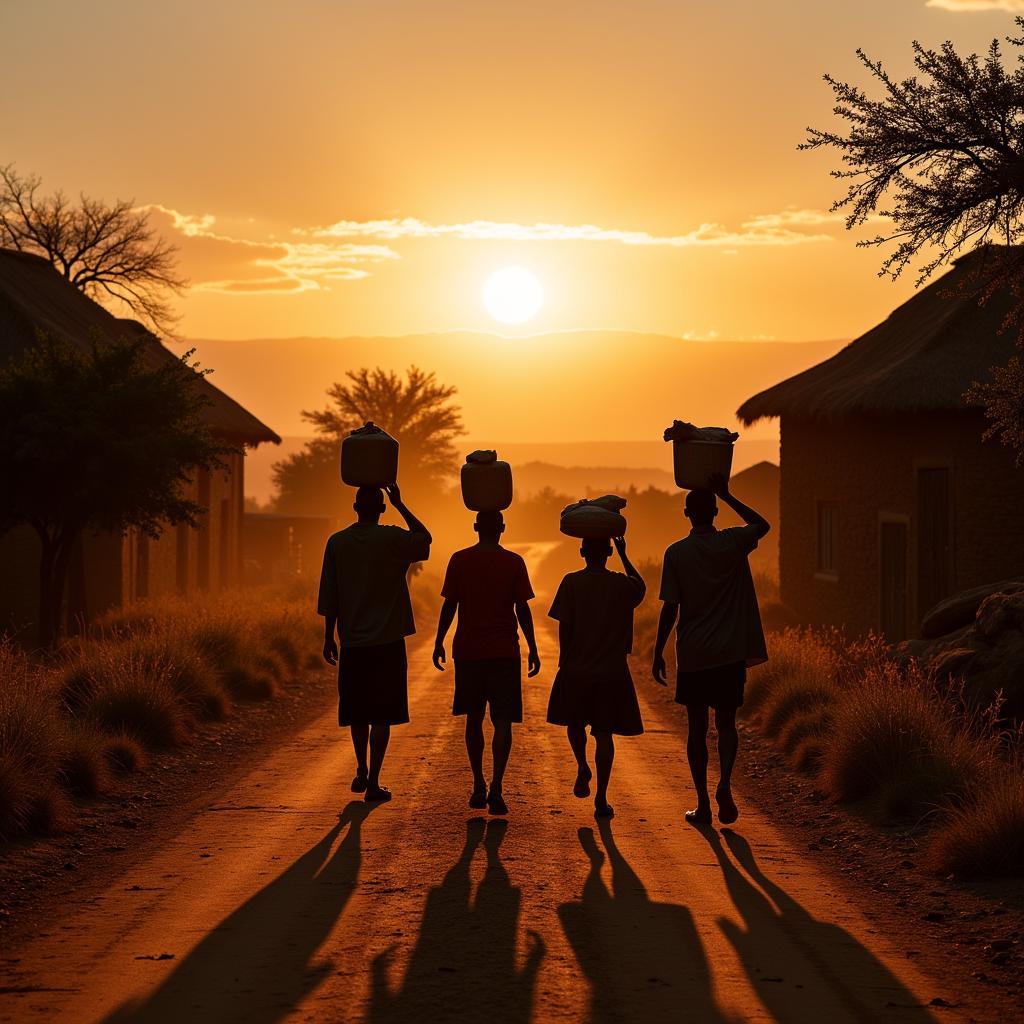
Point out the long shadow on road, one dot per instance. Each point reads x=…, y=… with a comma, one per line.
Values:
x=803, y=969
x=256, y=965
x=644, y=960
x=463, y=966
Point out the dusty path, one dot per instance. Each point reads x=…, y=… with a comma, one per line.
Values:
x=286, y=900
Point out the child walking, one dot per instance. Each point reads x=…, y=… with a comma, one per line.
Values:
x=593, y=687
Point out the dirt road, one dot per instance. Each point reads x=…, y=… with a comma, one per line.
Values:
x=287, y=900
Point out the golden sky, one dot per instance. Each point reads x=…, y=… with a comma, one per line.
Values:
x=341, y=167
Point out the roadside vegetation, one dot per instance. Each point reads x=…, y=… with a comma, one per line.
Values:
x=144, y=679
x=888, y=737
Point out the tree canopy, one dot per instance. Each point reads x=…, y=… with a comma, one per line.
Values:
x=939, y=158
x=418, y=410
x=110, y=252
x=100, y=439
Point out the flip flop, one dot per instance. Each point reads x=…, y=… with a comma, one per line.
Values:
x=581, y=789
x=380, y=795
x=699, y=816
x=496, y=804
x=607, y=811
x=728, y=812
x=359, y=783
x=478, y=799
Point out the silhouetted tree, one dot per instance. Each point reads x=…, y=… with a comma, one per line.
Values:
x=941, y=155
x=108, y=251
x=97, y=440
x=418, y=410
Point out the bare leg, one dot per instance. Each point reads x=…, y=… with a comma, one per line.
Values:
x=379, y=737
x=475, y=747
x=697, y=755
x=603, y=759
x=728, y=747
x=360, y=738
x=501, y=747
x=578, y=741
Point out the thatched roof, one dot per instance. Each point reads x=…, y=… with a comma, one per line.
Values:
x=34, y=297
x=922, y=357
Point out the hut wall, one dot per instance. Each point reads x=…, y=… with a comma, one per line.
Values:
x=867, y=469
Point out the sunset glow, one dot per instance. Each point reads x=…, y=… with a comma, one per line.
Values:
x=512, y=295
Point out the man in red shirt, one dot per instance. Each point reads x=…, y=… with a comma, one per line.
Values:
x=490, y=589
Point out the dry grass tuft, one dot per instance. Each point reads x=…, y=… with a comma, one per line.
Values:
x=140, y=680
x=986, y=835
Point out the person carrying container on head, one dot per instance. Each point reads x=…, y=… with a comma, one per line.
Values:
x=488, y=587
x=706, y=584
x=594, y=609
x=364, y=599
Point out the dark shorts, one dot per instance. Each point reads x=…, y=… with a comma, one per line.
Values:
x=720, y=687
x=372, y=685
x=494, y=682
x=606, y=703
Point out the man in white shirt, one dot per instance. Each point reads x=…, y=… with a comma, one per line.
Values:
x=706, y=584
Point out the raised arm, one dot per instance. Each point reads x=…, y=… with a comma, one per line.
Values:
x=444, y=623
x=720, y=485
x=631, y=570
x=413, y=524
x=525, y=619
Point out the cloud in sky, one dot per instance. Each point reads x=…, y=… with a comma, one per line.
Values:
x=222, y=263
x=219, y=260
x=977, y=5
x=765, y=229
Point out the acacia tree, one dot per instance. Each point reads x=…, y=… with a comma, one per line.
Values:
x=99, y=439
x=941, y=156
x=418, y=410
x=110, y=252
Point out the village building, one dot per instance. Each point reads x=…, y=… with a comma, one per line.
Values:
x=109, y=569
x=890, y=500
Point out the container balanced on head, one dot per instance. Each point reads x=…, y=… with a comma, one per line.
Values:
x=489, y=588
x=706, y=584
x=364, y=599
x=594, y=609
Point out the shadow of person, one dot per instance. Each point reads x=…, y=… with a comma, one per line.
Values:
x=463, y=966
x=256, y=965
x=803, y=968
x=644, y=960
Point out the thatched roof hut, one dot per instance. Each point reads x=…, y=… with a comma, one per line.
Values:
x=34, y=297
x=921, y=358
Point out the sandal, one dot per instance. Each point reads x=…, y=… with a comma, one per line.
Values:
x=359, y=783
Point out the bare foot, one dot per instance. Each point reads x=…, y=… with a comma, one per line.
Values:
x=728, y=812
x=496, y=803
x=603, y=809
x=582, y=787
x=478, y=798
x=699, y=816
x=359, y=782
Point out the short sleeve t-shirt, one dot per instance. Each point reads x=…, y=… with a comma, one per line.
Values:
x=363, y=582
x=707, y=574
x=596, y=606
x=487, y=583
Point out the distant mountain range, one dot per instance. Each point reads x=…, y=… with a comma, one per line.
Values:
x=570, y=387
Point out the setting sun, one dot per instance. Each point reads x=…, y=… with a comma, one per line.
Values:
x=512, y=295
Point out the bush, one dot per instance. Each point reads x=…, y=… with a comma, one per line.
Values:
x=123, y=753
x=801, y=694
x=195, y=682
x=794, y=654
x=134, y=696
x=895, y=736
x=83, y=767
x=32, y=743
x=986, y=835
